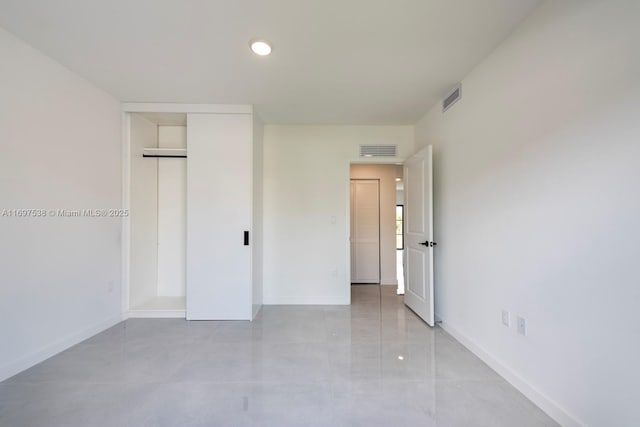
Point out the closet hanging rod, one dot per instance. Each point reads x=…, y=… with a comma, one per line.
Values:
x=166, y=156
x=165, y=152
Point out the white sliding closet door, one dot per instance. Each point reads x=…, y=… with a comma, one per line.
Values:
x=219, y=197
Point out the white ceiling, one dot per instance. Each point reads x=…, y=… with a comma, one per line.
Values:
x=333, y=61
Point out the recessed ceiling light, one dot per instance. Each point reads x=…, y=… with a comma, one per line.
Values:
x=260, y=47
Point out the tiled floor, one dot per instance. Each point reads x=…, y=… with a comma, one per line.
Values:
x=371, y=364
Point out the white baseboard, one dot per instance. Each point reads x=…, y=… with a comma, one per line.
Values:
x=305, y=300
x=156, y=314
x=26, y=362
x=555, y=411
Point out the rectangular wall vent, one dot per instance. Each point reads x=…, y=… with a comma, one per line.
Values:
x=452, y=97
x=378, y=150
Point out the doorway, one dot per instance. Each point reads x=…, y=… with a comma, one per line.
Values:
x=373, y=227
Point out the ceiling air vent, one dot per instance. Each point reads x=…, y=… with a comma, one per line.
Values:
x=378, y=150
x=452, y=97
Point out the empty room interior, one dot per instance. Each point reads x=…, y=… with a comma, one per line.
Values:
x=321, y=213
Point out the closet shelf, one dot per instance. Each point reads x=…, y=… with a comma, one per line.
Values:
x=165, y=152
x=158, y=307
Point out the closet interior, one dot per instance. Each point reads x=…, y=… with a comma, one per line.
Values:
x=158, y=187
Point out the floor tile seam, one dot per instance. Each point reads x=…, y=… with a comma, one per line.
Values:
x=67, y=382
x=383, y=341
x=162, y=382
x=243, y=382
x=267, y=342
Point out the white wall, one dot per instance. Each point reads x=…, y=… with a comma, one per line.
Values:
x=257, y=238
x=537, y=207
x=306, y=197
x=60, y=141
x=143, y=207
x=387, y=176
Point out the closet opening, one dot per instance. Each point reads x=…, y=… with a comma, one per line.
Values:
x=158, y=211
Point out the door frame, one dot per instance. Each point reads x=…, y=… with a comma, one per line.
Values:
x=398, y=161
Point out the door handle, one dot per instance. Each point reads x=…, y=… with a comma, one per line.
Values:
x=428, y=244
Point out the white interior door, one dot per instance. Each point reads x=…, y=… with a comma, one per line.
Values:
x=219, y=197
x=418, y=190
x=365, y=231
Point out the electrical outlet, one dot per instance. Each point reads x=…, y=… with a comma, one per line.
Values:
x=506, y=319
x=522, y=326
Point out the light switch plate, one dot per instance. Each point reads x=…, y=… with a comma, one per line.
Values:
x=522, y=326
x=506, y=318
